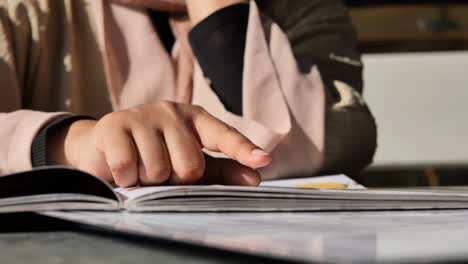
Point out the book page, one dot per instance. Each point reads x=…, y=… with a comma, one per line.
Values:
x=335, y=181
x=139, y=191
x=340, y=181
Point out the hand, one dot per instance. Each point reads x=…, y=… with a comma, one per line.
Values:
x=157, y=143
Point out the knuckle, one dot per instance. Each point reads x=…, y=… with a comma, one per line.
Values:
x=199, y=110
x=171, y=109
x=167, y=105
x=123, y=182
x=134, y=112
x=158, y=173
x=112, y=116
x=138, y=110
x=226, y=130
x=245, y=143
x=191, y=173
x=112, y=120
x=121, y=166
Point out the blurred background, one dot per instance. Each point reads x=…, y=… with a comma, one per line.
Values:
x=416, y=83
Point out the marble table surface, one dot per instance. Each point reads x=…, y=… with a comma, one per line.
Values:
x=28, y=238
x=332, y=237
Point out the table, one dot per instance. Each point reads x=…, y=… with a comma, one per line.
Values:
x=333, y=237
x=35, y=239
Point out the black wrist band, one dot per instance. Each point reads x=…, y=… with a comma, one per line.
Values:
x=39, y=145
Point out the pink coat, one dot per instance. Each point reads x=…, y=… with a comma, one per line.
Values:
x=286, y=112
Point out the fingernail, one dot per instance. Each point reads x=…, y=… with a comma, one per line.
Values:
x=259, y=152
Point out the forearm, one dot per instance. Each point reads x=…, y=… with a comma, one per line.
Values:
x=218, y=43
x=200, y=9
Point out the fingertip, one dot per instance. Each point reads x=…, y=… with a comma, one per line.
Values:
x=259, y=158
x=237, y=174
x=252, y=178
x=265, y=161
x=259, y=152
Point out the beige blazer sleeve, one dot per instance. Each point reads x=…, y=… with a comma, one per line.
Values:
x=17, y=59
x=287, y=112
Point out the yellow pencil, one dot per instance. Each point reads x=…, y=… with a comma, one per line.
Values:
x=322, y=185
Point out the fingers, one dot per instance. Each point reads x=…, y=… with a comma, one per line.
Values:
x=154, y=165
x=121, y=157
x=162, y=142
x=217, y=136
x=229, y=172
x=188, y=163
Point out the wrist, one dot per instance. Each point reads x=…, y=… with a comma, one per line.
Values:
x=65, y=142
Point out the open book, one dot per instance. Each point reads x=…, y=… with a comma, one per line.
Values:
x=67, y=189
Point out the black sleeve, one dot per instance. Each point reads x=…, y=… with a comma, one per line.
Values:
x=39, y=145
x=218, y=43
x=321, y=33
